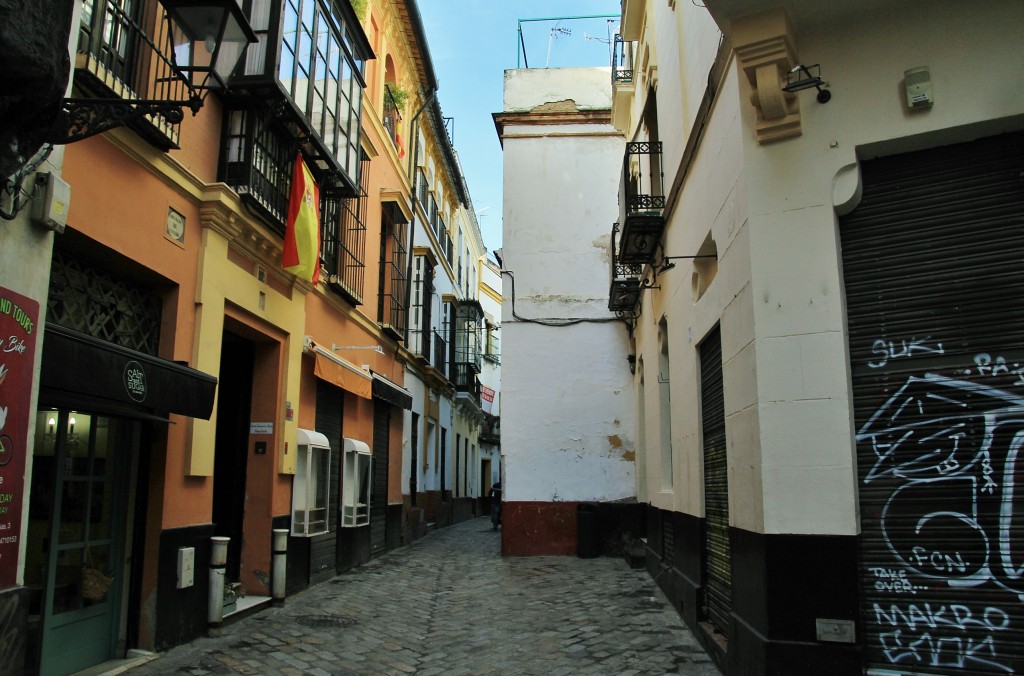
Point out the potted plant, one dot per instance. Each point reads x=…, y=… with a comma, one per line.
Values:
x=232, y=592
x=399, y=95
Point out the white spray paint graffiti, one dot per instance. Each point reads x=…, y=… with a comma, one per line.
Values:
x=885, y=351
x=949, y=449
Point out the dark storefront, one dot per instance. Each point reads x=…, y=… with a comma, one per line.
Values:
x=102, y=409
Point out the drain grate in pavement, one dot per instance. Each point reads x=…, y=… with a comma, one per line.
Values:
x=323, y=621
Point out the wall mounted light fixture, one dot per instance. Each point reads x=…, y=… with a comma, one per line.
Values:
x=802, y=77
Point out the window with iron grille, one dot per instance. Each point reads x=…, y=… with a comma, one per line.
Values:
x=392, y=117
x=493, y=346
x=343, y=240
x=95, y=302
x=433, y=214
x=392, y=311
x=258, y=158
x=421, y=188
x=439, y=360
x=448, y=327
x=422, y=300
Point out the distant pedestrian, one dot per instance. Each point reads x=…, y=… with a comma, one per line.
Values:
x=495, y=505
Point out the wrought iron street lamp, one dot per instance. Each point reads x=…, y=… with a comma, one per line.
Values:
x=207, y=38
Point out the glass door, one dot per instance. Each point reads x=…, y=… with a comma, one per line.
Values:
x=76, y=536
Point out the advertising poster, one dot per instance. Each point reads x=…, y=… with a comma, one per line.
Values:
x=18, y=332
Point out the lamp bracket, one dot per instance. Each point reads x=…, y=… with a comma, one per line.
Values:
x=665, y=263
x=376, y=348
x=81, y=118
x=803, y=77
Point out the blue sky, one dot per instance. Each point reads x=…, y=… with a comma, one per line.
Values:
x=472, y=43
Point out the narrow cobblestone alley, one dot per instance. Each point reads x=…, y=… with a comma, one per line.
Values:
x=450, y=604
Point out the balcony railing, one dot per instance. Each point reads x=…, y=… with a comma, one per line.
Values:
x=622, y=60
x=643, y=202
x=624, y=294
x=421, y=188
x=440, y=354
x=490, y=431
x=126, y=51
x=465, y=380
x=392, y=118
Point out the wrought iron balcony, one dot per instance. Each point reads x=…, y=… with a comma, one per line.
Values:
x=124, y=50
x=624, y=294
x=622, y=60
x=392, y=118
x=643, y=202
x=490, y=431
x=440, y=360
x=466, y=381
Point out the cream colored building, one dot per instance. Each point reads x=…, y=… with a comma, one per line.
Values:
x=828, y=362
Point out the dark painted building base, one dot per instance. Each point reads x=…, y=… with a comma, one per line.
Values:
x=780, y=585
x=553, y=529
x=14, y=648
x=463, y=509
x=181, y=613
x=353, y=547
x=393, y=533
x=438, y=507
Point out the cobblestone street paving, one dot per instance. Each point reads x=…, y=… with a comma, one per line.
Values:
x=450, y=604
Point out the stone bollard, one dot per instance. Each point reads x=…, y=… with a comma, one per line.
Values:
x=218, y=564
x=280, y=561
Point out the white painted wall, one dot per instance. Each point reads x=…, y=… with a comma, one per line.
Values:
x=566, y=412
x=527, y=88
x=772, y=212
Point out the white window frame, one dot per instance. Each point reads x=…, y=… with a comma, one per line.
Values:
x=311, y=485
x=356, y=484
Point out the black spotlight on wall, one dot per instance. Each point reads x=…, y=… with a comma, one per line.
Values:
x=802, y=77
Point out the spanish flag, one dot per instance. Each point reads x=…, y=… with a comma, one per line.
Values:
x=301, y=254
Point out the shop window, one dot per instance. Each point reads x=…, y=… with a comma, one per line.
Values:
x=355, y=494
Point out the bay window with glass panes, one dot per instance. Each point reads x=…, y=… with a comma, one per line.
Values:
x=311, y=54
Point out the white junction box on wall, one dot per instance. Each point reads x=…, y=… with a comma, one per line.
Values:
x=186, y=567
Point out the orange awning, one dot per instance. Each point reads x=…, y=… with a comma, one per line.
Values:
x=339, y=372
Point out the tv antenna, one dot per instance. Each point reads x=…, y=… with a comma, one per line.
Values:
x=555, y=33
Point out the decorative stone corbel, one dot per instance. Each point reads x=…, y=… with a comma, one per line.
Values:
x=766, y=50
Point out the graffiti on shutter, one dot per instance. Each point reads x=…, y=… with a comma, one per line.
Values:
x=933, y=261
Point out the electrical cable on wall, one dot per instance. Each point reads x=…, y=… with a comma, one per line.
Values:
x=12, y=188
x=554, y=321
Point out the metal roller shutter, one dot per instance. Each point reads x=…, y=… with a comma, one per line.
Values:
x=330, y=401
x=379, y=495
x=717, y=565
x=933, y=260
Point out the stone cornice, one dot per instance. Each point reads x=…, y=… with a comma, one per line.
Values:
x=550, y=116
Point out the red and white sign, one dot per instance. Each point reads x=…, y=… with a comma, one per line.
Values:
x=486, y=398
x=19, y=329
